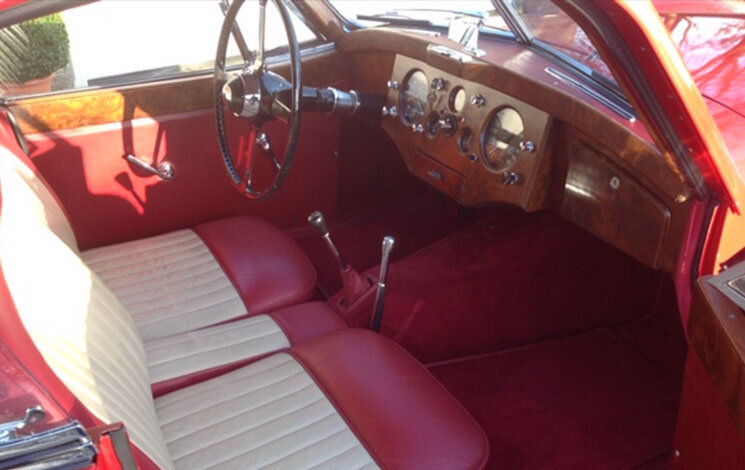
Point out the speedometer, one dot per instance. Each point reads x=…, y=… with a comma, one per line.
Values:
x=414, y=97
x=502, y=138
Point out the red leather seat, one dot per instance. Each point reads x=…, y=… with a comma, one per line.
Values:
x=350, y=399
x=347, y=399
x=266, y=266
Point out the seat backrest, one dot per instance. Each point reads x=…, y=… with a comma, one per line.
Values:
x=81, y=329
x=38, y=199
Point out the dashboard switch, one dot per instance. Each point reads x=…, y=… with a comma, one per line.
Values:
x=478, y=101
x=438, y=84
x=393, y=85
x=510, y=177
x=417, y=128
x=392, y=111
x=448, y=124
x=527, y=146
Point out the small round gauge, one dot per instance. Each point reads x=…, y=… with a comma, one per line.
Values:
x=465, y=141
x=413, y=99
x=457, y=99
x=501, y=140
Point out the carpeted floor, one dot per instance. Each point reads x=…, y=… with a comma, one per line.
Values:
x=414, y=222
x=587, y=401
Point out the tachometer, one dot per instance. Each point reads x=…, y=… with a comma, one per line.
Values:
x=413, y=97
x=502, y=138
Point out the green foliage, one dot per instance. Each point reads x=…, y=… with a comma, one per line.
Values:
x=34, y=49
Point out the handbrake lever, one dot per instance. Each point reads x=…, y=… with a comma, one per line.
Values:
x=377, y=316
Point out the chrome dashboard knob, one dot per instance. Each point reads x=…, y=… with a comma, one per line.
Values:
x=510, y=177
x=438, y=84
x=392, y=111
x=478, y=100
x=394, y=84
x=417, y=128
x=527, y=146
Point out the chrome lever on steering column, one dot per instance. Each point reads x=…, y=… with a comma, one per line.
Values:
x=377, y=316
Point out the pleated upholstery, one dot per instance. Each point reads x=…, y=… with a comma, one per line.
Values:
x=83, y=332
x=270, y=414
x=34, y=196
x=169, y=283
x=183, y=354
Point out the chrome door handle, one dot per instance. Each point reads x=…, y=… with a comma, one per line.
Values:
x=165, y=170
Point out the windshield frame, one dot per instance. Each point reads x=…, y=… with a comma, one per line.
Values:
x=522, y=35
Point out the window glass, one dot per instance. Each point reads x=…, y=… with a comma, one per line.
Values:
x=438, y=13
x=116, y=42
x=551, y=25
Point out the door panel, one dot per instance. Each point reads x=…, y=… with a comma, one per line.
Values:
x=79, y=140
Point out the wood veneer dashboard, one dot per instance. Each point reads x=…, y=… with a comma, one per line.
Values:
x=575, y=155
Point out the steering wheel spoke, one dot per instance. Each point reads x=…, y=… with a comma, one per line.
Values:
x=258, y=95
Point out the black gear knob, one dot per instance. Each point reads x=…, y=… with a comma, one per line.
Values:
x=318, y=221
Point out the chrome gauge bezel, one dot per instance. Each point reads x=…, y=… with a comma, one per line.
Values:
x=401, y=95
x=466, y=131
x=452, y=99
x=483, y=135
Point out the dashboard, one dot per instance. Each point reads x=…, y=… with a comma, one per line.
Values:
x=512, y=127
x=472, y=142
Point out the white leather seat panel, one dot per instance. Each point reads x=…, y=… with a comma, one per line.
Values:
x=270, y=414
x=83, y=332
x=218, y=345
x=170, y=283
x=34, y=197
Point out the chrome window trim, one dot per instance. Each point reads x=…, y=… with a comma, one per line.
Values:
x=274, y=59
x=569, y=80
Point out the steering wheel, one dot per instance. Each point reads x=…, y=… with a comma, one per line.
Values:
x=257, y=95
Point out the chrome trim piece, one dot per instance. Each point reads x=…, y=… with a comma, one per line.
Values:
x=592, y=93
x=34, y=414
x=165, y=170
x=522, y=33
x=377, y=316
x=731, y=282
x=445, y=51
x=68, y=446
x=276, y=59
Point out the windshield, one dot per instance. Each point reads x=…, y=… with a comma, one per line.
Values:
x=553, y=27
x=550, y=26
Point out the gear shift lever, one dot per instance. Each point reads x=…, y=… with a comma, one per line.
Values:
x=354, y=285
x=377, y=317
x=318, y=221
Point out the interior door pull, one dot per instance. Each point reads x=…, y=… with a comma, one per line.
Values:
x=165, y=170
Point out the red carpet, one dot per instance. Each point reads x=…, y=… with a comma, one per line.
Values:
x=582, y=402
x=511, y=280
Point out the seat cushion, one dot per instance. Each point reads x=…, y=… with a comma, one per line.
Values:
x=189, y=279
x=349, y=399
x=181, y=360
x=266, y=266
x=170, y=283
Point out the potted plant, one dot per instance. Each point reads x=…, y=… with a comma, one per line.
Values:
x=33, y=51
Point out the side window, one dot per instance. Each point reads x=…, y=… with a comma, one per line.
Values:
x=113, y=42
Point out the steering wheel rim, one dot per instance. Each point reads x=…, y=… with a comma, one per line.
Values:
x=244, y=183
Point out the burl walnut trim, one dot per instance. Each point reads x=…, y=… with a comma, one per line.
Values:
x=89, y=107
x=716, y=329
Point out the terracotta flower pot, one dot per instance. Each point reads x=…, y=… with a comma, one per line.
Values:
x=38, y=85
